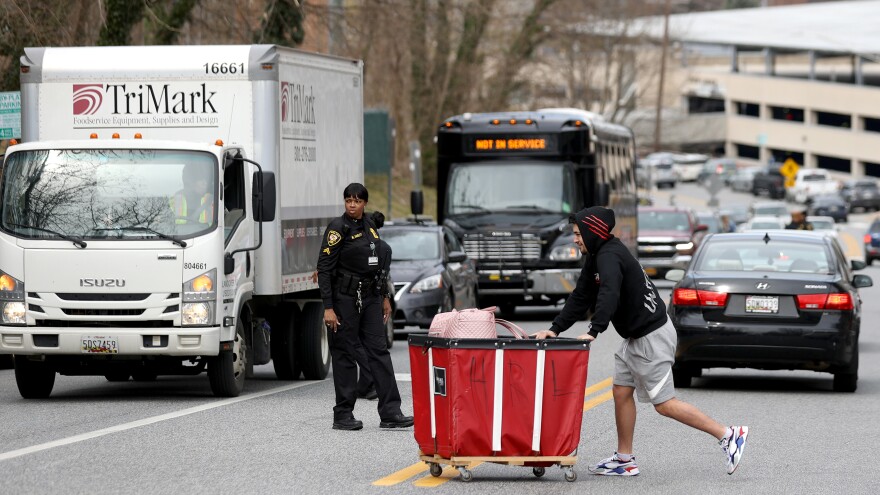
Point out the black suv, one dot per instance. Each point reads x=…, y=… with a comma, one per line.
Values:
x=861, y=193
x=770, y=180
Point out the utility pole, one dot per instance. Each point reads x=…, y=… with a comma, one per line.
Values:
x=657, y=121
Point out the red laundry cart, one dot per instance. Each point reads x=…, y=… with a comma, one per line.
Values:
x=507, y=401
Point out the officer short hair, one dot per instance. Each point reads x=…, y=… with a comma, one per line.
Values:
x=356, y=190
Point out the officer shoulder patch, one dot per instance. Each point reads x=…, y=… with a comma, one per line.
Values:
x=373, y=231
x=333, y=238
x=326, y=250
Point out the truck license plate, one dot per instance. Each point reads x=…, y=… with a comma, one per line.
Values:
x=762, y=304
x=97, y=344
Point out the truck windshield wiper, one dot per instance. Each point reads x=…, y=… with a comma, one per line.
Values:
x=528, y=207
x=147, y=229
x=480, y=209
x=75, y=240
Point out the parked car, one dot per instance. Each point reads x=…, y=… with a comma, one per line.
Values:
x=762, y=223
x=656, y=171
x=779, y=301
x=826, y=225
x=741, y=180
x=830, y=205
x=861, y=193
x=769, y=180
x=872, y=242
x=431, y=273
x=722, y=167
x=667, y=238
x=811, y=182
x=770, y=209
x=689, y=165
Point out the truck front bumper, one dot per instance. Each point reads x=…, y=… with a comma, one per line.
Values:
x=199, y=341
x=526, y=282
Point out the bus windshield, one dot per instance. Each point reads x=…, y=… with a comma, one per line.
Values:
x=494, y=186
x=108, y=194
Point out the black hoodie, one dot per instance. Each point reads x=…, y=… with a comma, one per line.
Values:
x=612, y=282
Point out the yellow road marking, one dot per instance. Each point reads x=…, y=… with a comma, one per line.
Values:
x=402, y=475
x=853, y=248
x=449, y=472
x=595, y=401
x=598, y=386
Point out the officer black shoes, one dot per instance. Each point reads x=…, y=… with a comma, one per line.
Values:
x=398, y=421
x=348, y=424
x=371, y=395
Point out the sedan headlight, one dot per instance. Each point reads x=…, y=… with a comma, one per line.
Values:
x=12, y=307
x=199, y=300
x=428, y=283
x=567, y=252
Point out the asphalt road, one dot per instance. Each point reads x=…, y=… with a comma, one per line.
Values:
x=172, y=436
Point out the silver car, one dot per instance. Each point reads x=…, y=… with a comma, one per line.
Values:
x=656, y=171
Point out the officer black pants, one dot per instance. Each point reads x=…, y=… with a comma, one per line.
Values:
x=367, y=328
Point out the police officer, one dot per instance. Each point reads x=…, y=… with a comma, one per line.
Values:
x=355, y=307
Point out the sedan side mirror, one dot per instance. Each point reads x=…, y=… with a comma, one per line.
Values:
x=675, y=275
x=701, y=228
x=860, y=281
x=858, y=265
x=457, y=256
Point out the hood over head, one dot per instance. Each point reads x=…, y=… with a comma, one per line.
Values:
x=595, y=224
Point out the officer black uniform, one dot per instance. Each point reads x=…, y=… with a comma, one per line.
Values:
x=347, y=269
x=799, y=220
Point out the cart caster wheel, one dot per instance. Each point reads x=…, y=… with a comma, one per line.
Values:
x=465, y=473
x=570, y=475
x=436, y=470
x=538, y=471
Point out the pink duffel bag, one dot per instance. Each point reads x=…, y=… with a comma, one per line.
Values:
x=472, y=324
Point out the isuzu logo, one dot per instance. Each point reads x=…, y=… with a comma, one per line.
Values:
x=102, y=282
x=500, y=234
x=762, y=286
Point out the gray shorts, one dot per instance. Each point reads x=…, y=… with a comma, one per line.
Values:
x=646, y=364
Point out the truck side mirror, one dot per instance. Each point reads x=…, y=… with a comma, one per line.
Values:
x=264, y=196
x=228, y=264
x=417, y=202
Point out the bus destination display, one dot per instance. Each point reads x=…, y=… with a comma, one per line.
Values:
x=523, y=143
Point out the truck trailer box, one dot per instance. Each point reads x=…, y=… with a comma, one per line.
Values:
x=103, y=275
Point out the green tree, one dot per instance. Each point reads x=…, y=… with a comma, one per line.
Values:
x=282, y=23
x=121, y=16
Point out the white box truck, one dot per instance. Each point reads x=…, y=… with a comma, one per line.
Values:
x=166, y=203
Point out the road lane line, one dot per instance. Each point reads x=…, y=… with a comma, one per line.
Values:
x=598, y=386
x=449, y=472
x=853, y=248
x=402, y=475
x=12, y=454
x=599, y=399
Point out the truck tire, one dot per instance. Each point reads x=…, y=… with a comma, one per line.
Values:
x=35, y=379
x=227, y=371
x=284, y=321
x=312, y=343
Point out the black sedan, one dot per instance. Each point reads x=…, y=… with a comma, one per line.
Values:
x=431, y=273
x=829, y=206
x=775, y=301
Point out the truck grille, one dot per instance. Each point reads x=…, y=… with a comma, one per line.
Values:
x=514, y=247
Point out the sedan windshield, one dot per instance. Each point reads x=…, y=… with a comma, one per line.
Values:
x=482, y=187
x=757, y=256
x=412, y=245
x=108, y=194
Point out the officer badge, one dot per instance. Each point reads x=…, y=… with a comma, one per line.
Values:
x=333, y=238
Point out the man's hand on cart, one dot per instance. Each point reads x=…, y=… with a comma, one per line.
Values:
x=586, y=336
x=543, y=334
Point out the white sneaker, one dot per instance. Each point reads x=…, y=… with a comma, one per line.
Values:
x=733, y=446
x=613, y=466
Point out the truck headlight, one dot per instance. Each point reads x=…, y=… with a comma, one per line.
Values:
x=685, y=248
x=567, y=252
x=428, y=283
x=12, y=305
x=199, y=300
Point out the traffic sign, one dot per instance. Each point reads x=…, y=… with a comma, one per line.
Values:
x=789, y=169
x=789, y=182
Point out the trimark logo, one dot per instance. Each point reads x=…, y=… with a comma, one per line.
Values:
x=87, y=98
x=285, y=97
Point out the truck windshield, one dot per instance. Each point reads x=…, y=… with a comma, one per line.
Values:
x=109, y=194
x=483, y=187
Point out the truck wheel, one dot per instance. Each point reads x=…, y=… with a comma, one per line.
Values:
x=283, y=342
x=35, y=379
x=313, y=344
x=226, y=372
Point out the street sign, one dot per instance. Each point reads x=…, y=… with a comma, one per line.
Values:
x=10, y=115
x=789, y=182
x=789, y=169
